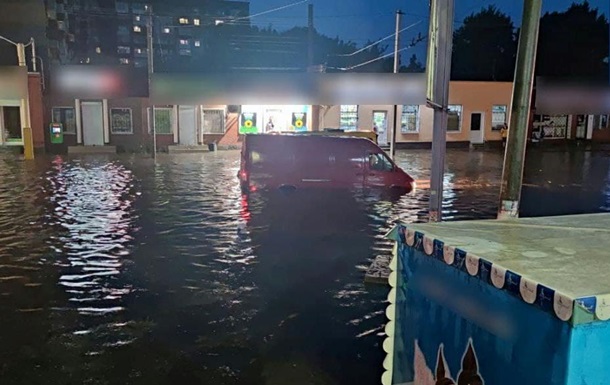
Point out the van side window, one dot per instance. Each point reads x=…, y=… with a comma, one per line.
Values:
x=379, y=162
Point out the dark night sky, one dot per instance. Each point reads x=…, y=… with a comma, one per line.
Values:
x=362, y=20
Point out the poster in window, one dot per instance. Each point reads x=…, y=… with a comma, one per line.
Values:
x=247, y=124
x=299, y=121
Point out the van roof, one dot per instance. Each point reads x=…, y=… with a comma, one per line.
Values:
x=315, y=135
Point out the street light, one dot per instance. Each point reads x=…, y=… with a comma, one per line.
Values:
x=24, y=110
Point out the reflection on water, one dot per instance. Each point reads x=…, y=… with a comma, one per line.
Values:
x=121, y=271
x=91, y=210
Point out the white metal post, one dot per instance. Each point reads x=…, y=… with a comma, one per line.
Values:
x=396, y=64
x=149, y=43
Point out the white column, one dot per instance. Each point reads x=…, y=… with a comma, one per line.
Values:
x=106, y=123
x=79, y=123
x=175, y=124
x=590, y=128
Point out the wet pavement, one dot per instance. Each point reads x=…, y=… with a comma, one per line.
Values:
x=114, y=270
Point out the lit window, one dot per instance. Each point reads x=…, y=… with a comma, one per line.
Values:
x=349, y=117
x=454, y=118
x=124, y=60
x=165, y=30
x=197, y=43
x=137, y=28
x=196, y=22
x=184, y=42
x=98, y=50
x=138, y=17
x=409, y=120
x=498, y=116
x=123, y=49
x=183, y=20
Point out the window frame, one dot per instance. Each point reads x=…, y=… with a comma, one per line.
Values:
x=64, y=126
x=460, y=118
x=351, y=113
x=171, y=121
x=130, y=121
x=417, y=118
x=222, y=113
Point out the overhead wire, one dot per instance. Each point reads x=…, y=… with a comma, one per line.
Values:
x=380, y=57
x=379, y=41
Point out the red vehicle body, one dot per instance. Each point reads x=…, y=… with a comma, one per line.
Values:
x=311, y=161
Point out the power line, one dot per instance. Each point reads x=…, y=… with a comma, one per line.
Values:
x=379, y=41
x=380, y=57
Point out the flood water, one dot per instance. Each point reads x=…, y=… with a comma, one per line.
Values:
x=117, y=270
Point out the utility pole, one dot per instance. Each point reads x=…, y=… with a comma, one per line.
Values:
x=315, y=109
x=310, y=35
x=151, y=109
x=439, y=75
x=396, y=64
x=514, y=158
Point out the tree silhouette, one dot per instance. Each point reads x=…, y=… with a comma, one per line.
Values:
x=414, y=66
x=484, y=47
x=573, y=43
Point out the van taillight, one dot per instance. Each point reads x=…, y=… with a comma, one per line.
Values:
x=243, y=175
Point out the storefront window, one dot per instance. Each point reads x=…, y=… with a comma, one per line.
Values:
x=67, y=118
x=498, y=117
x=409, y=120
x=213, y=121
x=120, y=121
x=454, y=118
x=349, y=117
x=163, y=120
x=12, y=124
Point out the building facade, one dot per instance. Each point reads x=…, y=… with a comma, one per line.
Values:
x=478, y=111
x=115, y=31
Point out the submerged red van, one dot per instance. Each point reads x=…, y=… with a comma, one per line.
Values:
x=290, y=162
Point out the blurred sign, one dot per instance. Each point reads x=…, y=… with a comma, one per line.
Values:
x=557, y=97
x=99, y=82
x=289, y=89
x=13, y=83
